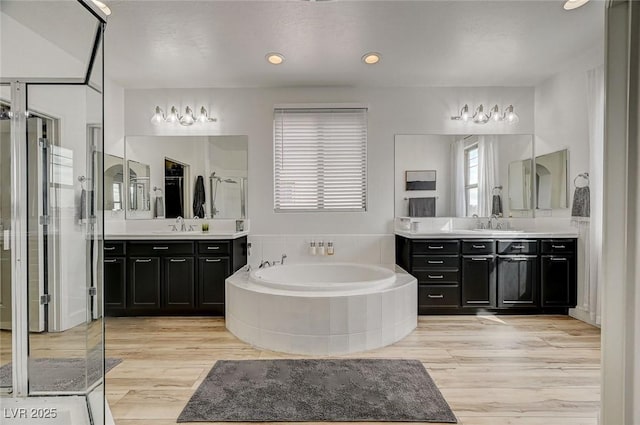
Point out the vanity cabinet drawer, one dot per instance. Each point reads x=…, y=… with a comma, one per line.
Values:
x=436, y=247
x=558, y=246
x=436, y=262
x=112, y=248
x=479, y=246
x=160, y=248
x=516, y=247
x=437, y=277
x=214, y=248
x=439, y=296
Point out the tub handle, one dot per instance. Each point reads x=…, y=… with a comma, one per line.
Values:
x=432, y=276
x=212, y=260
x=435, y=296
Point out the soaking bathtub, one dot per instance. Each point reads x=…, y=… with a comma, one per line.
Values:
x=321, y=309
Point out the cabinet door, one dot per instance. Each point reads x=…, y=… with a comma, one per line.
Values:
x=212, y=272
x=179, y=283
x=478, y=282
x=517, y=282
x=115, y=277
x=144, y=283
x=558, y=281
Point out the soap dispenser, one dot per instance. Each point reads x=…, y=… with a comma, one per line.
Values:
x=321, y=248
x=330, y=250
x=312, y=248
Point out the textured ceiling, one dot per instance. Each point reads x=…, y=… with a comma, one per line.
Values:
x=153, y=44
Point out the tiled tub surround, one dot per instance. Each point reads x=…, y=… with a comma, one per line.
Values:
x=322, y=322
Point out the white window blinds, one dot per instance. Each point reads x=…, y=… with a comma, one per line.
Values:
x=320, y=159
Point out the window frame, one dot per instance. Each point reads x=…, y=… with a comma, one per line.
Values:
x=468, y=186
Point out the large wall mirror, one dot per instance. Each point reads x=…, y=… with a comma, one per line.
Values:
x=114, y=192
x=187, y=176
x=464, y=175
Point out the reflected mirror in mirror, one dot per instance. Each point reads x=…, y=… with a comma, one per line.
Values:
x=474, y=174
x=139, y=186
x=551, y=180
x=113, y=183
x=204, y=176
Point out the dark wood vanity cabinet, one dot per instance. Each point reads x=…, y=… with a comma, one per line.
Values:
x=472, y=275
x=174, y=277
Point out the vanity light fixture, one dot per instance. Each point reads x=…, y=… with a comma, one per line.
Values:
x=481, y=117
x=186, y=120
x=371, y=58
x=572, y=4
x=274, y=58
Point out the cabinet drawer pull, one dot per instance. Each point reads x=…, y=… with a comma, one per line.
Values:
x=160, y=248
x=178, y=260
x=558, y=259
x=113, y=260
x=148, y=260
x=558, y=246
x=435, y=296
x=436, y=247
x=433, y=276
x=213, y=247
x=479, y=258
x=109, y=248
x=435, y=262
x=478, y=246
x=517, y=259
x=518, y=247
x=212, y=260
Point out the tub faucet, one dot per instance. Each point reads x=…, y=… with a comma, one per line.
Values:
x=282, y=259
x=264, y=264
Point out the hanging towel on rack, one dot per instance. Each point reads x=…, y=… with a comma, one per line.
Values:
x=86, y=205
x=159, y=207
x=581, y=202
x=422, y=207
x=496, y=205
x=199, y=198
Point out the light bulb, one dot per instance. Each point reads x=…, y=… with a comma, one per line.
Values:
x=173, y=118
x=464, y=113
x=158, y=116
x=495, y=114
x=187, y=118
x=203, y=117
x=480, y=117
x=574, y=4
x=511, y=116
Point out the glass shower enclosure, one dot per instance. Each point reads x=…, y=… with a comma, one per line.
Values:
x=51, y=214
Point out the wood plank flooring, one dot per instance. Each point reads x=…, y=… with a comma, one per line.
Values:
x=492, y=370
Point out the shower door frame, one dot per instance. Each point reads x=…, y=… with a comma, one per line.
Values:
x=19, y=203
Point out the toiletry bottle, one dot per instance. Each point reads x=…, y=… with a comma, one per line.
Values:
x=330, y=248
x=321, y=248
x=312, y=248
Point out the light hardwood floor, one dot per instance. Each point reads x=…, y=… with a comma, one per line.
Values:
x=492, y=370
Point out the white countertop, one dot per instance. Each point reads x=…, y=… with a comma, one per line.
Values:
x=488, y=234
x=163, y=236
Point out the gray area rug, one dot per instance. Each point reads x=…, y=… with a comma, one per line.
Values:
x=317, y=390
x=60, y=375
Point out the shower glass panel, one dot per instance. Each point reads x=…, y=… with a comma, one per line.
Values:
x=6, y=343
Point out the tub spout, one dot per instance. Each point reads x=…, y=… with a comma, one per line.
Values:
x=264, y=264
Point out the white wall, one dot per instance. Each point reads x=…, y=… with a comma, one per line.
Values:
x=561, y=116
x=391, y=111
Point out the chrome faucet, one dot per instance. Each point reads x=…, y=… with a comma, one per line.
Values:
x=264, y=264
x=282, y=259
x=180, y=221
x=490, y=224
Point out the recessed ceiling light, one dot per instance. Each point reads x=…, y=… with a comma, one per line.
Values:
x=371, y=58
x=274, y=58
x=571, y=4
x=102, y=7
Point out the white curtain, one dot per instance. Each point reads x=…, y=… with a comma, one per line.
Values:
x=457, y=157
x=593, y=276
x=487, y=169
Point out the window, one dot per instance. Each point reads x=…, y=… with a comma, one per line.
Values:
x=320, y=159
x=471, y=179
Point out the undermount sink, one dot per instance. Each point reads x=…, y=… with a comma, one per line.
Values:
x=498, y=230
